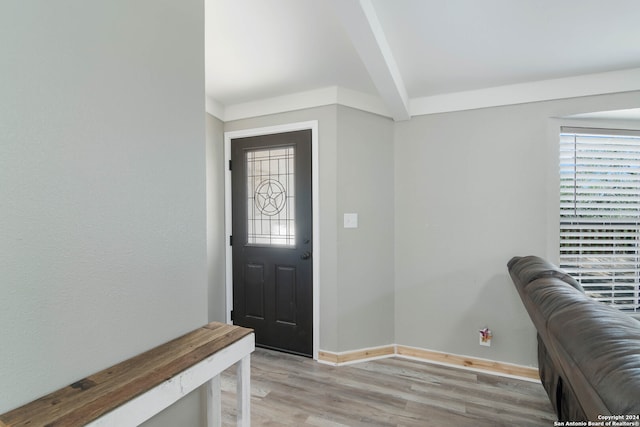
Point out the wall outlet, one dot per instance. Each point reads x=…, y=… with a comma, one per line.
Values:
x=484, y=336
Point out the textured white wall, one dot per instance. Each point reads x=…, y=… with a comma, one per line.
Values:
x=102, y=186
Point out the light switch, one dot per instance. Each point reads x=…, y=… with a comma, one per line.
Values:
x=351, y=220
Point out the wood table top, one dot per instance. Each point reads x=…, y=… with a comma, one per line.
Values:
x=91, y=397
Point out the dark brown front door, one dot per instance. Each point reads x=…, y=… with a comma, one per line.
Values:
x=272, y=239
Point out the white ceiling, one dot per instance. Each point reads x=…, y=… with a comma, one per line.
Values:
x=408, y=57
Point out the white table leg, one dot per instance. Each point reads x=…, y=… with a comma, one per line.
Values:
x=214, y=402
x=244, y=391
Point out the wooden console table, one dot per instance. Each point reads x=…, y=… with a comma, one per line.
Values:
x=133, y=391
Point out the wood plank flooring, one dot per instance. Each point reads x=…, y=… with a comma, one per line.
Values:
x=290, y=390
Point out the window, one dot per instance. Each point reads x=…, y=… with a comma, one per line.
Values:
x=270, y=190
x=600, y=213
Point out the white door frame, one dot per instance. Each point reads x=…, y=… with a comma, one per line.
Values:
x=315, y=180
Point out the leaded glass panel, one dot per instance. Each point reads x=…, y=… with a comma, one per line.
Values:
x=271, y=195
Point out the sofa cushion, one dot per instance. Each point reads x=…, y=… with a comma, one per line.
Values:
x=529, y=268
x=545, y=297
x=599, y=352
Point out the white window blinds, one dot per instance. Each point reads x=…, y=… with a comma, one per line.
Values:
x=600, y=213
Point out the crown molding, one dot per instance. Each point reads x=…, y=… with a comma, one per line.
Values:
x=362, y=101
x=281, y=104
x=544, y=90
x=298, y=101
x=214, y=108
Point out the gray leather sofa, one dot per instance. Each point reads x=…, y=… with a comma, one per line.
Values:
x=588, y=353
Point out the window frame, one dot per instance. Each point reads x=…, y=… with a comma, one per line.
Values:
x=610, y=237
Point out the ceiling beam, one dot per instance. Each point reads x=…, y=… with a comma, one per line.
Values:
x=360, y=21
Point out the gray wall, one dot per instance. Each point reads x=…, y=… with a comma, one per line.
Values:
x=102, y=186
x=216, y=240
x=473, y=189
x=365, y=254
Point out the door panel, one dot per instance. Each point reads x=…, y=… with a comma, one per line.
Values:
x=286, y=294
x=272, y=239
x=254, y=290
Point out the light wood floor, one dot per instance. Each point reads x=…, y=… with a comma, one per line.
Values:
x=296, y=391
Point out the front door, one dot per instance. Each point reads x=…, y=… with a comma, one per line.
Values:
x=272, y=239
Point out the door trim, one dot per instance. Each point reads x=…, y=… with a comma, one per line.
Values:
x=315, y=200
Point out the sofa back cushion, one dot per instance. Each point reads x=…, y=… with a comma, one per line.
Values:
x=599, y=353
x=530, y=268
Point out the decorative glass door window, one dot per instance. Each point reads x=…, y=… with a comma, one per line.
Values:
x=271, y=195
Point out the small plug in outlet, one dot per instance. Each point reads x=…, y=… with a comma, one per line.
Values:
x=485, y=337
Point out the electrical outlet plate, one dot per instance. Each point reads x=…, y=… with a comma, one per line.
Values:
x=351, y=220
x=484, y=337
